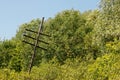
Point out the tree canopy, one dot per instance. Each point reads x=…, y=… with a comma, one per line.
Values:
x=82, y=46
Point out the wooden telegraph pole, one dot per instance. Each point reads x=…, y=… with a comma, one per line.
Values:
x=36, y=42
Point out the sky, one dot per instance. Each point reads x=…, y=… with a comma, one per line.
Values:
x=13, y=13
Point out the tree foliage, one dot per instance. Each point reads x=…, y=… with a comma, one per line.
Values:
x=82, y=46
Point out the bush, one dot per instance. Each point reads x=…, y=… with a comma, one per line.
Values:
x=105, y=68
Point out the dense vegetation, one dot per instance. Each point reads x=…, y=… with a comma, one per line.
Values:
x=82, y=46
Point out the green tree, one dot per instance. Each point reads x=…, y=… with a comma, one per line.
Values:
x=6, y=49
x=68, y=31
x=107, y=26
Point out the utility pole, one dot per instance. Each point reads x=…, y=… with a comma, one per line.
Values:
x=35, y=43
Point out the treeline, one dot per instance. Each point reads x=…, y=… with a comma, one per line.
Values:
x=82, y=46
